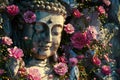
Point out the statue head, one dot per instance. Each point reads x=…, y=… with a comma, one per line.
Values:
x=45, y=32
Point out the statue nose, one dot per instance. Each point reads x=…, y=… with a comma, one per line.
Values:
x=48, y=38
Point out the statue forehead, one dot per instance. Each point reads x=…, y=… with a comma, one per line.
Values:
x=46, y=16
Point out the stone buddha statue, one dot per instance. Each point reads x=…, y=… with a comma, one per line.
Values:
x=44, y=35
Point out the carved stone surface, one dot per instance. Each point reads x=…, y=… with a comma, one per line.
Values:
x=40, y=40
x=45, y=39
x=45, y=36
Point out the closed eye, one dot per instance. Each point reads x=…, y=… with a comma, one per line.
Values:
x=40, y=27
x=55, y=33
x=56, y=29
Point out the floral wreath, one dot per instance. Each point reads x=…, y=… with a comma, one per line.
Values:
x=82, y=46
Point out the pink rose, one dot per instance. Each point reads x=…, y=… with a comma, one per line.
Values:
x=79, y=40
x=101, y=10
x=69, y=28
x=107, y=2
x=96, y=61
x=7, y=40
x=77, y=13
x=51, y=76
x=34, y=74
x=73, y=61
x=61, y=68
x=15, y=52
x=106, y=69
x=13, y=10
x=29, y=17
x=91, y=33
x=1, y=71
x=95, y=78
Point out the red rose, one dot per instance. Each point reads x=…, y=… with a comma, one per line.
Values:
x=101, y=10
x=107, y=2
x=77, y=13
x=1, y=71
x=13, y=10
x=62, y=59
x=96, y=61
x=79, y=40
x=106, y=69
x=69, y=28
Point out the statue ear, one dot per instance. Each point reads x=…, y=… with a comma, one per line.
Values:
x=19, y=21
x=55, y=57
x=113, y=11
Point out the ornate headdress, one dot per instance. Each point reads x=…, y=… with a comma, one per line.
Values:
x=52, y=6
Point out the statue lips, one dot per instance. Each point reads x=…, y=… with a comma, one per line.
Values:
x=46, y=47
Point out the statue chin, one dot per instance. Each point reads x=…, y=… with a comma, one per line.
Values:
x=44, y=55
x=40, y=56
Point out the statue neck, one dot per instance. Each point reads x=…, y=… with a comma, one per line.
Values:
x=39, y=62
x=43, y=66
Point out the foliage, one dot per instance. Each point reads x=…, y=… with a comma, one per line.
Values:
x=84, y=46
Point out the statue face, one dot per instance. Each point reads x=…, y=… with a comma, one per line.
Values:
x=118, y=14
x=46, y=34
